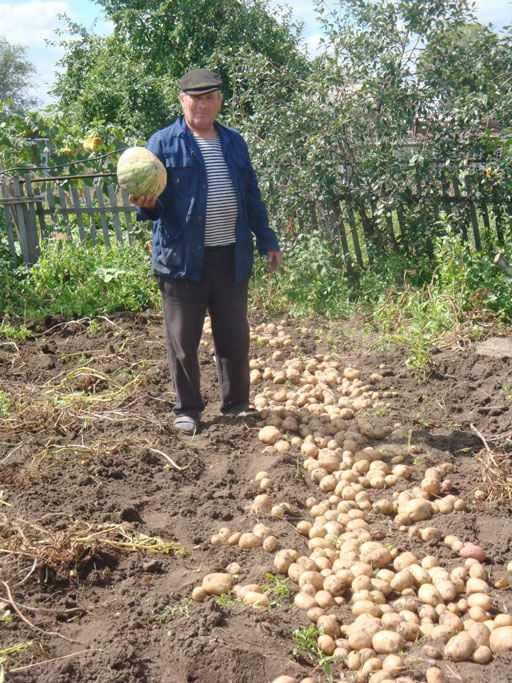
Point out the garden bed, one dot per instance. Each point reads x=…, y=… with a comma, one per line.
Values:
x=107, y=514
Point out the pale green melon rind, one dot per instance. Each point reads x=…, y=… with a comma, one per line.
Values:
x=140, y=172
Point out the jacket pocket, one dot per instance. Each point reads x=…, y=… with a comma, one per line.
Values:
x=180, y=171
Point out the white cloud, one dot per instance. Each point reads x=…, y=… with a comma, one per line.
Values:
x=313, y=45
x=498, y=12
x=30, y=23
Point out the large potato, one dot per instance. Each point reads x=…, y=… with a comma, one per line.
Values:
x=269, y=434
x=284, y=558
x=460, y=647
x=500, y=639
x=217, y=583
x=387, y=642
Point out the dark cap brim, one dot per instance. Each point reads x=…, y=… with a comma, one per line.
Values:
x=200, y=91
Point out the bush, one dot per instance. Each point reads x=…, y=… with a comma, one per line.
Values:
x=74, y=281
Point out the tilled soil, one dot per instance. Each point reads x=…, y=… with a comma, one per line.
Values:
x=85, y=428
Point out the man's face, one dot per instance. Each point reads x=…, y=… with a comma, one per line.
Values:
x=201, y=110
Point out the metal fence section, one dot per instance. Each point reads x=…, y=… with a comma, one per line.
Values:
x=36, y=208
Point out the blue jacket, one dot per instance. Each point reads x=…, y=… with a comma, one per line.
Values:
x=180, y=214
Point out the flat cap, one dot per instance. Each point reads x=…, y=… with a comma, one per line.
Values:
x=200, y=81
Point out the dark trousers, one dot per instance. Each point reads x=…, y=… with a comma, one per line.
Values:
x=184, y=304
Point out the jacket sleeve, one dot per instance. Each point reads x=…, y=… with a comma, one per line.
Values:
x=154, y=145
x=266, y=239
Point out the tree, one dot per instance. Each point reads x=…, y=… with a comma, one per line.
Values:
x=348, y=131
x=131, y=77
x=16, y=72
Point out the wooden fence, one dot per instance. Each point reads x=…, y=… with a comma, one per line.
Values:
x=35, y=208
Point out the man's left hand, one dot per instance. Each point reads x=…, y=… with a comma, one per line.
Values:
x=273, y=260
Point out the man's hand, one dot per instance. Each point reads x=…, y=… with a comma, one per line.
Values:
x=144, y=202
x=273, y=260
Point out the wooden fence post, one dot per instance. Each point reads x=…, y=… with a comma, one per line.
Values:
x=25, y=224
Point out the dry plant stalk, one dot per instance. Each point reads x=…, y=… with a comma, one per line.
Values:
x=496, y=469
x=65, y=549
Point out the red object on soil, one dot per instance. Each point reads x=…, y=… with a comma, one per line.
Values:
x=473, y=551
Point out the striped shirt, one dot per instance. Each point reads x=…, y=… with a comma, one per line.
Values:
x=221, y=202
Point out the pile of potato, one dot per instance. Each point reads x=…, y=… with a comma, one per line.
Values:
x=396, y=598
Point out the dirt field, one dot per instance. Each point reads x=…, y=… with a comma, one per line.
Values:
x=85, y=425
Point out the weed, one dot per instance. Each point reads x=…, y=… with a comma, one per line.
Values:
x=7, y=652
x=274, y=589
x=169, y=610
x=5, y=402
x=227, y=600
x=306, y=642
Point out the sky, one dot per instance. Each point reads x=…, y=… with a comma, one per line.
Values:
x=32, y=22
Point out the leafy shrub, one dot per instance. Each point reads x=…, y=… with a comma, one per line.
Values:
x=73, y=280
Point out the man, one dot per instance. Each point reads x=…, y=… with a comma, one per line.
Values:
x=204, y=223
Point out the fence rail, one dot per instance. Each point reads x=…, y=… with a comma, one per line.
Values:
x=32, y=217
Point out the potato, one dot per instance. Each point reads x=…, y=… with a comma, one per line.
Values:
x=393, y=664
x=304, y=602
x=500, y=639
x=262, y=531
x=285, y=679
x=360, y=633
x=371, y=665
x=482, y=654
x=476, y=586
x=256, y=599
x=430, y=533
x=434, y=675
x=249, y=540
x=429, y=594
x=366, y=607
x=473, y=551
x=460, y=648
x=353, y=661
x=387, y=642
x=234, y=538
x=284, y=558
x=261, y=475
x=314, y=613
x=402, y=579
x=335, y=586
x=199, y=594
x=269, y=434
x=480, y=634
x=447, y=590
x=418, y=509
x=503, y=620
x=312, y=577
x=261, y=504
x=270, y=544
x=404, y=560
x=375, y=554
x=217, y=583
x=409, y=630
x=324, y=599
x=326, y=644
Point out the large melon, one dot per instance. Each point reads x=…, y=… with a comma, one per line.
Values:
x=140, y=172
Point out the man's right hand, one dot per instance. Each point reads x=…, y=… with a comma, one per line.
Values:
x=144, y=202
